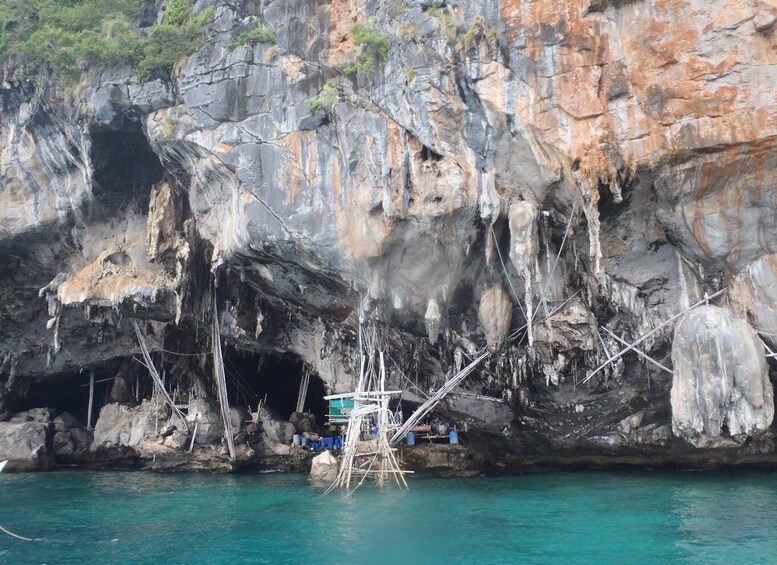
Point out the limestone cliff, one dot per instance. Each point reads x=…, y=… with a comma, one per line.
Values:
x=544, y=179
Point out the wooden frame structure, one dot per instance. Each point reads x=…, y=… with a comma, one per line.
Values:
x=367, y=451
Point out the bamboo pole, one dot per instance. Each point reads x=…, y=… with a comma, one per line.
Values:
x=149, y=364
x=660, y=326
x=194, y=434
x=303, y=390
x=221, y=381
x=91, y=401
x=639, y=352
x=427, y=406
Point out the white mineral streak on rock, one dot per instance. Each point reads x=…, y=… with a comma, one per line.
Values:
x=433, y=320
x=720, y=379
x=523, y=245
x=496, y=312
x=591, y=212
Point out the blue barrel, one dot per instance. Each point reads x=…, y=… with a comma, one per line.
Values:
x=410, y=438
x=296, y=439
x=453, y=436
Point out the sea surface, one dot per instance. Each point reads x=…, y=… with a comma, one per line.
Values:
x=561, y=518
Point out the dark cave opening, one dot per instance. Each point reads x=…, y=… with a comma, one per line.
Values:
x=69, y=392
x=125, y=167
x=608, y=207
x=274, y=378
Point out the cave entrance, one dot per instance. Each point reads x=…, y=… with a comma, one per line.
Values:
x=125, y=167
x=274, y=378
x=69, y=392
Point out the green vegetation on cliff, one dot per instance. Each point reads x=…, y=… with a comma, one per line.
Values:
x=257, y=35
x=372, y=48
x=66, y=38
x=177, y=37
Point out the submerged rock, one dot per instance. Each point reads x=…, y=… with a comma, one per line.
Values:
x=721, y=381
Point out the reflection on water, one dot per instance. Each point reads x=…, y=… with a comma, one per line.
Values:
x=716, y=513
x=585, y=517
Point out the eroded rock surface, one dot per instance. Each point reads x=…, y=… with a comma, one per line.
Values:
x=324, y=468
x=720, y=379
x=542, y=180
x=26, y=442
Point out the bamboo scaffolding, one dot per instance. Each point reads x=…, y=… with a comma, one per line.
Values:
x=149, y=364
x=371, y=400
x=655, y=330
x=561, y=247
x=517, y=332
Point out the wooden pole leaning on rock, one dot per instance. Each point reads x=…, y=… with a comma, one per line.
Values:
x=769, y=353
x=429, y=405
x=91, y=401
x=303, y=390
x=155, y=375
x=221, y=382
x=194, y=434
x=663, y=324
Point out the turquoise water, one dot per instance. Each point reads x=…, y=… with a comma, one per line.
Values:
x=584, y=517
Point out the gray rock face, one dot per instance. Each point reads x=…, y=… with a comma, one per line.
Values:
x=277, y=429
x=753, y=296
x=122, y=426
x=26, y=442
x=720, y=379
x=71, y=440
x=591, y=164
x=206, y=413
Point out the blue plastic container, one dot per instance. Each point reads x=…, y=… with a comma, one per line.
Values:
x=410, y=438
x=328, y=441
x=453, y=436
